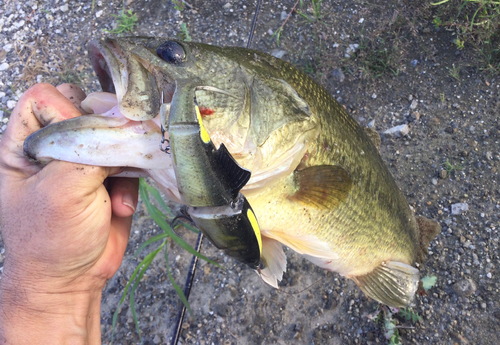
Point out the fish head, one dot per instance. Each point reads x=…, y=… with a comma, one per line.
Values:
x=243, y=100
x=143, y=70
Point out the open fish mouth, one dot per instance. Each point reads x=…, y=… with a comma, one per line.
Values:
x=121, y=72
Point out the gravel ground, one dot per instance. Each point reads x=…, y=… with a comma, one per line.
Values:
x=449, y=109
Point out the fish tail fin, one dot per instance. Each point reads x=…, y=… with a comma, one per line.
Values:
x=392, y=283
x=274, y=260
x=428, y=230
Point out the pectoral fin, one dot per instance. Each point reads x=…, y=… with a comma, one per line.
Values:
x=274, y=260
x=392, y=283
x=323, y=186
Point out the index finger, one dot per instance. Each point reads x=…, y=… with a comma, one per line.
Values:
x=39, y=106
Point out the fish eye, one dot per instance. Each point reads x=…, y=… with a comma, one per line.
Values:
x=171, y=52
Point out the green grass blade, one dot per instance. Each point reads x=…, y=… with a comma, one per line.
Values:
x=156, y=215
x=189, y=227
x=177, y=288
x=117, y=311
x=133, y=278
x=439, y=3
x=145, y=265
x=159, y=218
x=155, y=193
x=151, y=240
x=143, y=190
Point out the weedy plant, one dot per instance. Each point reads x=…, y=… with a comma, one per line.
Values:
x=476, y=22
x=316, y=13
x=125, y=22
x=179, y=5
x=378, y=57
x=184, y=34
x=449, y=167
x=310, y=18
x=454, y=72
x=160, y=240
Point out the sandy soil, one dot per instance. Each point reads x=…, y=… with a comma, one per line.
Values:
x=403, y=71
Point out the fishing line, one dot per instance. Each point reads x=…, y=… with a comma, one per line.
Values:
x=187, y=290
x=300, y=291
x=254, y=22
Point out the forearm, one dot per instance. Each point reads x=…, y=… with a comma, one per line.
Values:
x=61, y=316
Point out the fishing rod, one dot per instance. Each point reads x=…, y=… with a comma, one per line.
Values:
x=194, y=260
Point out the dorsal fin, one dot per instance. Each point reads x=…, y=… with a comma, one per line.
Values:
x=236, y=176
x=323, y=186
x=428, y=229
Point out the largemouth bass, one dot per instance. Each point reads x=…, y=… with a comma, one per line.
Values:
x=318, y=184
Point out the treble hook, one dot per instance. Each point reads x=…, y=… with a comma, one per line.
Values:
x=165, y=149
x=163, y=110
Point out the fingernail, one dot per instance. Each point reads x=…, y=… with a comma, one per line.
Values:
x=128, y=200
x=114, y=171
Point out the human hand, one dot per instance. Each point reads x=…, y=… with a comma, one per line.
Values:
x=65, y=233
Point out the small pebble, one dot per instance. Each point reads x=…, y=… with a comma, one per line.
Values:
x=351, y=49
x=434, y=181
x=278, y=53
x=458, y=208
x=397, y=132
x=284, y=15
x=11, y=104
x=338, y=75
x=464, y=288
x=4, y=66
x=415, y=116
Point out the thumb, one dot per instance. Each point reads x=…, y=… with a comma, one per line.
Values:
x=124, y=193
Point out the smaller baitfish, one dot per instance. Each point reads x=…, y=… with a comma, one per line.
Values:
x=318, y=184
